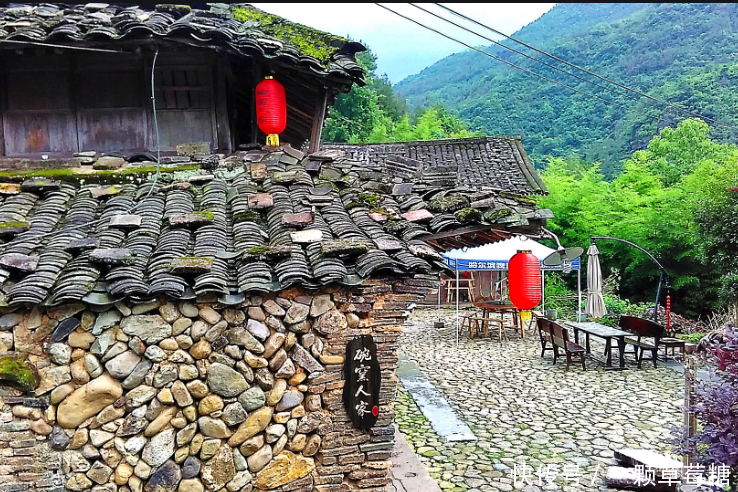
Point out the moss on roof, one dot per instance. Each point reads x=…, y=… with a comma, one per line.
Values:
x=73, y=175
x=311, y=42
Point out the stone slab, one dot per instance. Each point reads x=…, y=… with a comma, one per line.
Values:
x=432, y=403
x=408, y=472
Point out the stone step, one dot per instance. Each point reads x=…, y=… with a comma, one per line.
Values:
x=632, y=457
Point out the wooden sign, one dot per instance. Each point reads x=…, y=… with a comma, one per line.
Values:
x=363, y=380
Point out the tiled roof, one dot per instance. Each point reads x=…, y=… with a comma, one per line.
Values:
x=262, y=221
x=497, y=163
x=97, y=24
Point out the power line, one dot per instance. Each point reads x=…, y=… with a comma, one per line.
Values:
x=530, y=57
x=62, y=46
x=509, y=63
x=560, y=60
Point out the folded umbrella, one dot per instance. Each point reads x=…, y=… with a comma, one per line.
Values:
x=595, y=302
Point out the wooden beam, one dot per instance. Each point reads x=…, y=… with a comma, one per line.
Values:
x=256, y=78
x=318, y=123
x=220, y=110
x=466, y=231
x=3, y=91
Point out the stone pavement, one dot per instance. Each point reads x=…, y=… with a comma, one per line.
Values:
x=408, y=472
x=529, y=414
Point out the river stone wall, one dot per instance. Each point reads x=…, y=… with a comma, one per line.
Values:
x=194, y=396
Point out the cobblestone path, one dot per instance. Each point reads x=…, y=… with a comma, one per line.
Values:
x=527, y=412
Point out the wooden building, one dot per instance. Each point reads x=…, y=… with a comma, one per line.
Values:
x=74, y=79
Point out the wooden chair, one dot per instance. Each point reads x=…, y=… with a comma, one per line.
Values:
x=643, y=329
x=478, y=324
x=560, y=339
x=544, y=332
x=465, y=285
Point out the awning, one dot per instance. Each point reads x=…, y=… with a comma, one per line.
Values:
x=495, y=256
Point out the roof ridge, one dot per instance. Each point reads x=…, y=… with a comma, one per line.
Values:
x=436, y=141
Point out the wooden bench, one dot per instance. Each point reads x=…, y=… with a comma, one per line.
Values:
x=544, y=332
x=644, y=330
x=560, y=340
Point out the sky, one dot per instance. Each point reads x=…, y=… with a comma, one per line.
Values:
x=402, y=47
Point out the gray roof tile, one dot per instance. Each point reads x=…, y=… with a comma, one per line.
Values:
x=247, y=247
x=69, y=24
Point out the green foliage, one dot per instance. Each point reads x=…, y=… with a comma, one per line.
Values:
x=693, y=337
x=375, y=113
x=617, y=307
x=560, y=296
x=670, y=200
x=682, y=53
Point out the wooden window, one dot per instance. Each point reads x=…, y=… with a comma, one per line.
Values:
x=111, y=112
x=184, y=105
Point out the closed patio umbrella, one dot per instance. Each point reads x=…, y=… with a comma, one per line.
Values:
x=595, y=302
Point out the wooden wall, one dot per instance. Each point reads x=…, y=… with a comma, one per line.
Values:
x=61, y=103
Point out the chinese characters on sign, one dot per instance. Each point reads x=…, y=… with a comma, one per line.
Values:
x=458, y=264
x=693, y=474
x=546, y=474
x=363, y=379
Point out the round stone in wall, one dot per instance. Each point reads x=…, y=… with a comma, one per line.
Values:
x=225, y=381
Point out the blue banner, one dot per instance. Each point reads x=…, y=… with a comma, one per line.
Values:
x=471, y=265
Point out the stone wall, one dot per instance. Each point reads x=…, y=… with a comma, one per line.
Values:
x=191, y=396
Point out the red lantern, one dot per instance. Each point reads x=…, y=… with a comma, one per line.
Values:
x=524, y=280
x=271, y=109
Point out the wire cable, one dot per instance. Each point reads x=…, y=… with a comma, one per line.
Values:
x=509, y=63
x=63, y=46
x=532, y=58
x=156, y=124
x=589, y=72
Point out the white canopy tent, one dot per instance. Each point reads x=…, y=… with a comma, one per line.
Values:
x=496, y=256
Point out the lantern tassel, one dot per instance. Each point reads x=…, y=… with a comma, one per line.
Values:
x=272, y=140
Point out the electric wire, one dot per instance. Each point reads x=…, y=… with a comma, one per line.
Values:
x=66, y=47
x=589, y=72
x=532, y=58
x=511, y=64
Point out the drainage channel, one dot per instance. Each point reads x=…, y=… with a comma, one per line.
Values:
x=432, y=403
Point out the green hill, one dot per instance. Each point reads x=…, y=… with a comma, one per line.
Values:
x=683, y=53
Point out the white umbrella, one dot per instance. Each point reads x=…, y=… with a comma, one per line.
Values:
x=595, y=302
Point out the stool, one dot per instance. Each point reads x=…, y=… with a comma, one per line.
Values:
x=476, y=325
x=672, y=343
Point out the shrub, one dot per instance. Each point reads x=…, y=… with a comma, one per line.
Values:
x=716, y=407
x=695, y=337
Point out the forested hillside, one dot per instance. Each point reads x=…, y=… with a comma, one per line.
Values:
x=683, y=53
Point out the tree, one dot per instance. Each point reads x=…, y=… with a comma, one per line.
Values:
x=375, y=113
x=674, y=199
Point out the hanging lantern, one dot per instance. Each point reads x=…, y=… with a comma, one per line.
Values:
x=668, y=312
x=271, y=109
x=524, y=282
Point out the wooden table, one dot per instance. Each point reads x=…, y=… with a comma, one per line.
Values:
x=590, y=328
x=488, y=308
